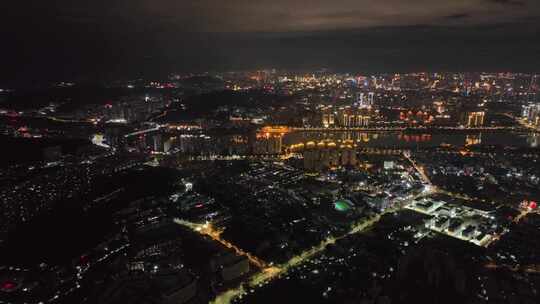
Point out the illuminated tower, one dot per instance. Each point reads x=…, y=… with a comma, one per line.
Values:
x=371, y=97
x=364, y=101
x=361, y=99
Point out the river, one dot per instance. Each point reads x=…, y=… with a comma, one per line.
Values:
x=421, y=140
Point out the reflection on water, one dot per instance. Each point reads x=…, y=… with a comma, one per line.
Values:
x=404, y=140
x=473, y=139
x=533, y=139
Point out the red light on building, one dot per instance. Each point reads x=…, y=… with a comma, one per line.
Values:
x=83, y=259
x=8, y=285
x=528, y=205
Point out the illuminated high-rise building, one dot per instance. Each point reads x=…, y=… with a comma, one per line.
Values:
x=531, y=113
x=328, y=119
x=360, y=99
x=327, y=155
x=371, y=98
x=353, y=118
x=475, y=119
x=364, y=101
x=267, y=144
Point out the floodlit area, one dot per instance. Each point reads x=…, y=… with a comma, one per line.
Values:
x=461, y=222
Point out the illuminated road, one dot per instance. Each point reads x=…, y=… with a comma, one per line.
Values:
x=270, y=272
x=56, y=119
x=418, y=168
x=522, y=122
x=435, y=189
x=208, y=229
x=154, y=129
x=273, y=272
x=524, y=213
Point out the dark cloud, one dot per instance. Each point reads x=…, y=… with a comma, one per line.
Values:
x=261, y=15
x=509, y=2
x=457, y=16
x=111, y=37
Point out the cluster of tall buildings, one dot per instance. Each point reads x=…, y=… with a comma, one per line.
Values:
x=133, y=110
x=475, y=119
x=355, y=116
x=364, y=100
x=346, y=117
x=199, y=143
x=267, y=144
x=327, y=154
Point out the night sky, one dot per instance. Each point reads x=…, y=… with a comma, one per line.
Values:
x=102, y=39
